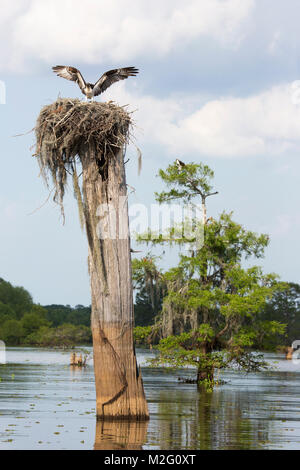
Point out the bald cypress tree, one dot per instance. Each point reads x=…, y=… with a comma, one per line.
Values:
x=76, y=138
x=211, y=314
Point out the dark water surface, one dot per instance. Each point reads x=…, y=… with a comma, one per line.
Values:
x=44, y=404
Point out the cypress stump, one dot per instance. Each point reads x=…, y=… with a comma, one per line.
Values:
x=78, y=138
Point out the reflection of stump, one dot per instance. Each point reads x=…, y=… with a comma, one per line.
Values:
x=73, y=359
x=93, y=135
x=120, y=435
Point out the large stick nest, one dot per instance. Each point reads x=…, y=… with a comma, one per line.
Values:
x=65, y=130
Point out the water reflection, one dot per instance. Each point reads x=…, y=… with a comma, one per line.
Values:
x=256, y=411
x=208, y=421
x=223, y=422
x=120, y=435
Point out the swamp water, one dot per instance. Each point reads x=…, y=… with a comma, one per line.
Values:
x=46, y=404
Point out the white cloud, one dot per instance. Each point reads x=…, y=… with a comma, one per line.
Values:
x=94, y=31
x=264, y=124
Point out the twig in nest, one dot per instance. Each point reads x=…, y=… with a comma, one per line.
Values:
x=131, y=187
x=25, y=133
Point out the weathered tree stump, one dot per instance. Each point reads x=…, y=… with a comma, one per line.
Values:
x=95, y=134
x=119, y=384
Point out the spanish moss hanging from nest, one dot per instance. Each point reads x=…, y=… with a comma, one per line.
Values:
x=66, y=128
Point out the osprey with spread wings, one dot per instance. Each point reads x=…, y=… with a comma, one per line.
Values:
x=89, y=89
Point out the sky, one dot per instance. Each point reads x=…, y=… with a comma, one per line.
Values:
x=219, y=83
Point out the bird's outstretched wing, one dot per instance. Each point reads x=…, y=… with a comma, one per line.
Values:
x=70, y=73
x=113, y=76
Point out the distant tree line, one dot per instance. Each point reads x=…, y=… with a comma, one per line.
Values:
x=24, y=323
x=284, y=307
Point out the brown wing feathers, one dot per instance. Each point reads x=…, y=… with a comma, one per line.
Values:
x=113, y=76
x=70, y=73
x=105, y=81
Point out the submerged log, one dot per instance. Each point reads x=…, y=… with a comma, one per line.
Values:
x=77, y=360
x=72, y=359
x=96, y=133
x=289, y=353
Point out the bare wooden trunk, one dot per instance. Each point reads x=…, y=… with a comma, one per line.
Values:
x=206, y=373
x=119, y=385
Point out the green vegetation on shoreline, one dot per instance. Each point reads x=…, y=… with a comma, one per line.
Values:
x=24, y=323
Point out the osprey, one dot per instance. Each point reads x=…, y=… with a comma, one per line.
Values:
x=89, y=89
x=180, y=164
